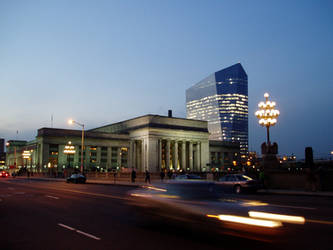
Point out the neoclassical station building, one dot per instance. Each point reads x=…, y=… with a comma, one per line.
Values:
x=150, y=142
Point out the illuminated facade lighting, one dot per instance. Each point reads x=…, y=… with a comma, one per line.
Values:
x=222, y=100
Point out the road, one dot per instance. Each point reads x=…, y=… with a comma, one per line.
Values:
x=56, y=215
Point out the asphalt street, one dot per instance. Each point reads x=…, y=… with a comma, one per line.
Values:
x=56, y=215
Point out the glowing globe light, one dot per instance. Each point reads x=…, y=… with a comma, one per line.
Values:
x=266, y=114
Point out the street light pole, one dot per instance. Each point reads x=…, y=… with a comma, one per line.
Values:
x=82, y=140
x=267, y=115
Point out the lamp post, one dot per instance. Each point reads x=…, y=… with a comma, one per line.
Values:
x=267, y=115
x=8, y=145
x=69, y=150
x=26, y=155
x=82, y=140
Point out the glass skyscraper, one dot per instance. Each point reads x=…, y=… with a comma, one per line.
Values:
x=222, y=100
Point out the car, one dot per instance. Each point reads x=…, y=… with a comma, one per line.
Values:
x=4, y=174
x=188, y=177
x=76, y=178
x=238, y=183
x=197, y=205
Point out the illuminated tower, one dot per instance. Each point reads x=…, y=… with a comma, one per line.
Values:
x=222, y=100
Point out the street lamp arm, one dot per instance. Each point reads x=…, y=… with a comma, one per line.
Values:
x=80, y=124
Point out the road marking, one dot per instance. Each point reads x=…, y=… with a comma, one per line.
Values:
x=297, y=207
x=95, y=194
x=80, y=192
x=79, y=231
x=65, y=226
x=320, y=221
x=88, y=235
x=52, y=197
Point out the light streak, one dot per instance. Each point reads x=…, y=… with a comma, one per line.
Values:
x=278, y=217
x=246, y=220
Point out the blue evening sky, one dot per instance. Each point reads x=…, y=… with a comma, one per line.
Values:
x=100, y=62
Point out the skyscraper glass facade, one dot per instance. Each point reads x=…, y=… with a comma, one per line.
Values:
x=222, y=100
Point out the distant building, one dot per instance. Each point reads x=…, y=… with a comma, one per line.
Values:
x=2, y=153
x=149, y=142
x=222, y=100
x=2, y=145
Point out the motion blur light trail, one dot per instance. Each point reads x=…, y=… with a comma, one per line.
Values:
x=254, y=203
x=278, y=217
x=246, y=220
x=155, y=188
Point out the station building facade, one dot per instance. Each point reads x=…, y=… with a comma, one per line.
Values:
x=150, y=142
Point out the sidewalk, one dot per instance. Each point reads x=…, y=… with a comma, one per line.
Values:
x=295, y=192
x=93, y=181
x=157, y=181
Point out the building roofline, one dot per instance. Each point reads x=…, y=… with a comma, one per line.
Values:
x=77, y=133
x=148, y=115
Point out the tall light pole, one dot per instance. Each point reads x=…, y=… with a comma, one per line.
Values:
x=82, y=140
x=267, y=115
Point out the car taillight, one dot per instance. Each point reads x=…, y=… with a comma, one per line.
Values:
x=6, y=174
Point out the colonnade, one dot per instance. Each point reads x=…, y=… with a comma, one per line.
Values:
x=169, y=154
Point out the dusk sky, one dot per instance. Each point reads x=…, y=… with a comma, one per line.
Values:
x=100, y=62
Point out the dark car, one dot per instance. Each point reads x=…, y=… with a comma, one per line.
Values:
x=77, y=178
x=238, y=183
x=188, y=177
x=4, y=174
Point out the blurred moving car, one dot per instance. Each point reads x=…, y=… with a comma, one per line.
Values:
x=188, y=177
x=198, y=205
x=77, y=178
x=238, y=183
x=4, y=174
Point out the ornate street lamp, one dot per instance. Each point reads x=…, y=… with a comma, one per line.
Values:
x=82, y=141
x=69, y=150
x=267, y=115
x=26, y=155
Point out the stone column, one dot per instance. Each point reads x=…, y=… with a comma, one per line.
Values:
x=118, y=157
x=130, y=155
x=98, y=156
x=134, y=161
x=45, y=155
x=152, y=155
x=62, y=157
x=76, y=156
x=184, y=155
x=108, y=157
x=87, y=160
x=205, y=157
x=197, y=160
x=167, y=160
x=175, y=155
x=143, y=156
x=160, y=154
x=191, y=156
